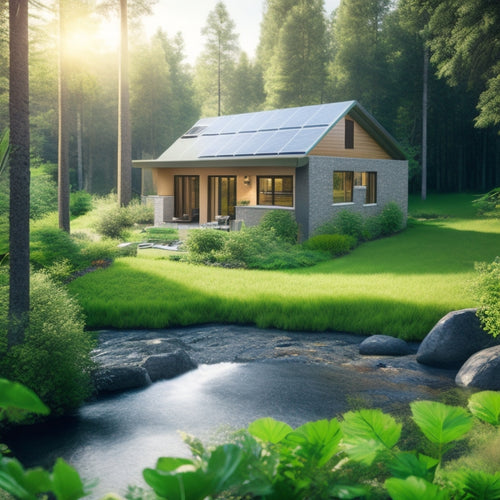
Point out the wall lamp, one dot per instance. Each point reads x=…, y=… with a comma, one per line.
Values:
x=246, y=180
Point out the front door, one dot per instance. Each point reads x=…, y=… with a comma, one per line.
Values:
x=186, y=194
x=221, y=196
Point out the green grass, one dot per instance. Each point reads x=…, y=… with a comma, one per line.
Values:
x=398, y=286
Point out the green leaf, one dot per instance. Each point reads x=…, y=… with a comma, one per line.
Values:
x=191, y=485
x=66, y=482
x=269, y=430
x=367, y=432
x=413, y=488
x=408, y=464
x=223, y=463
x=348, y=492
x=168, y=464
x=10, y=485
x=441, y=423
x=481, y=486
x=15, y=395
x=319, y=440
x=485, y=405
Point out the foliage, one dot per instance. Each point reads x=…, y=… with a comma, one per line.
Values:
x=54, y=361
x=49, y=245
x=161, y=234
x=43, y=196
x=113, y=221
x=487, y=289
x=80, y=202
x=204, y=243
x=391, y=219
x=282, y=223
x=489, y=203
x=140, y=213
x=335, y=244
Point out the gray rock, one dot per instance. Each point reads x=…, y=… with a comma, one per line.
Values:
x=454, y=339
x=481, y=370
x=384, y=345
x=169, y=365
x=120, y=378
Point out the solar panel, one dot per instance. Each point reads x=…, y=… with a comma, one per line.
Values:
x=304, y=140
x=218, y=124
x=277, y=142
x=233, y=143
x=301, y=116
x=277, y=118
x=235, y=125
x=256, y=140
x=255, y=121
x=326, y=114
x=212, y=145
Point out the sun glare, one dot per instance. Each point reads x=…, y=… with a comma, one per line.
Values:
x=104, y=37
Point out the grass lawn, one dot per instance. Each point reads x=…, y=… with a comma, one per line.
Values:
x=398, y=286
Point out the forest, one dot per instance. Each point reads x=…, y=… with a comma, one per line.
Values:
x=405, y=61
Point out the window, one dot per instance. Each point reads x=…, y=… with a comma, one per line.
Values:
x=349, y=134
x=368, y=179
x=275, y=191
x=342, y=187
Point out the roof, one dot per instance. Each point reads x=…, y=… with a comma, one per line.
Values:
x=283, y=135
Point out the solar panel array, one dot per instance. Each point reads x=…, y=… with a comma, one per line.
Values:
x=287, y=131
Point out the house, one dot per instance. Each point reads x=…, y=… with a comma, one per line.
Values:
x=313, y=161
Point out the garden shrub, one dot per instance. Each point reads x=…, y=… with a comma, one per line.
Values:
x=140, y=213
x=391, y=219
x=282, y=223
x=49, y=245
x=54, y=361
x=113, y=222
x=80, y=202
x=335, y=244
x=372, y=228
x=203, y=242
x=487, y=290
x=350, y=223
x=43, y=196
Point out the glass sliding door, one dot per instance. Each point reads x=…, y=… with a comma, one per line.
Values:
x=221, y=196
x=187, y=198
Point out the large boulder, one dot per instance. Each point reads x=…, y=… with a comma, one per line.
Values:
x=168, y=365
x=384, y=345
x=481, y=370
x=454, y=339
x=120, y=378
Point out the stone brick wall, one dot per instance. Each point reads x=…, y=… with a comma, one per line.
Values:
x=316, y=204
x=252, y=215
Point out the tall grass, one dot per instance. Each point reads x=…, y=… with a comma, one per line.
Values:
x=398, y=286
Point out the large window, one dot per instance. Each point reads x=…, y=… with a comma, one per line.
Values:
x=342, y=186
x=275, y=191
x=369, y=180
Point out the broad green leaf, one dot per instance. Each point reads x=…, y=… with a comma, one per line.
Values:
x=348, y=492
x=366, y=432
x=414, y=488
x=66, y=482
x=269, y=430
x=10, y=485
x=477, y=485
x=485, y=405
x=14, y=395
x=168, y=464
x=441, y=423
x=319, y=440
x=222, y=464
x=193, y=485
x=408, y=464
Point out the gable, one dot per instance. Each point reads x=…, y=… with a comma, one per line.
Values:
x=365, y=146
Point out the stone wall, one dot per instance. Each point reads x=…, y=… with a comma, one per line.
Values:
x=163, y=208
x=251, y=215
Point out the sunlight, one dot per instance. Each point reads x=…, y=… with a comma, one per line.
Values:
x=104, y=36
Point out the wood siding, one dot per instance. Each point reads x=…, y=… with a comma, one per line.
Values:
x=333, y=144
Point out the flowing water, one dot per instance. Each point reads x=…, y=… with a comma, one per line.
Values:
x=113, y=439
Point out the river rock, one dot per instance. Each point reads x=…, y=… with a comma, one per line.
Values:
x=384, y=345
x=481, y=370
x=120, y=378
x=169, y=365
x=454, y=339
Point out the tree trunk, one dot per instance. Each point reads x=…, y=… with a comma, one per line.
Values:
x=79, y=149
x=124, y=175
x=63, y=134
x=424, y=122
x=19, y=215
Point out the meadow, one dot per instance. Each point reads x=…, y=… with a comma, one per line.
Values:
x=400, y=285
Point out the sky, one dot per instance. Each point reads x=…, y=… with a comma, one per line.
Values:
x=190, y=16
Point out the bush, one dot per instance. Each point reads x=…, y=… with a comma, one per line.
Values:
x=205, y=242
x=350, y=223
x=43, y=196
x=49, y=245
x=282, y=223
x=80, y=202
x=93, y=251
x=391, y=219
x=487, y=290
x=335, y=244
x=54, y=360
x=141, y=213
x=488, y=203
x=114, y=221
x=372, y=228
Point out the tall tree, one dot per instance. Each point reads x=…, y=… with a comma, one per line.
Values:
x=19, y=276
x=296, y=72
x=216, y=63
x=465, y=45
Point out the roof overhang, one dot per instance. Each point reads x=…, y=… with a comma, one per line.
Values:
x=254, y=161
